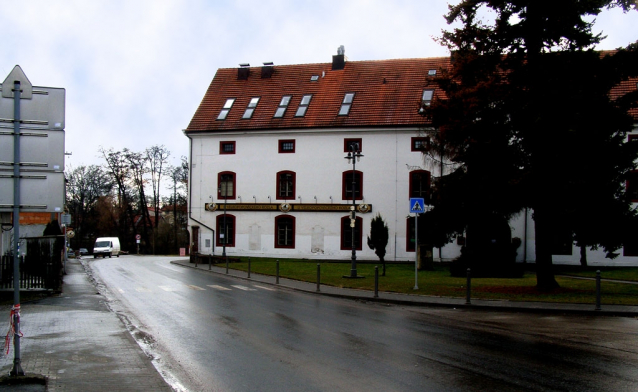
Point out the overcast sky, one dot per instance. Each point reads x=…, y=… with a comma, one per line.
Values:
x=135, y=71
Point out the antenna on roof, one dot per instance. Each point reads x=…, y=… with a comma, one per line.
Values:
x=341, y=50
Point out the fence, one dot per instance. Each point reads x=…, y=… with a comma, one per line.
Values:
x=40, y=268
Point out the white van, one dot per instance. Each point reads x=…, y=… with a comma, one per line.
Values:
x=106, y=246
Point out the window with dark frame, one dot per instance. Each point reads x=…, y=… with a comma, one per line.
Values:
x=631, y=186
x=283, y=105
x=420, y=184
x=303, y=105
x=285, y=228
x=420, y=144
x=426, y=99
x=226, y=109
x=286, y=185
x=410, y=235
x=346, y=233
x=226, y=185
x=346, y=104
x=225, y=233
x=251, y=108
x=287, y=146
x=226, y=147
x=347, y=185
x=355, y=143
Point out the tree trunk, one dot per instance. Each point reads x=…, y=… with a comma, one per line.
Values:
x=583, y=256
x=545, y=280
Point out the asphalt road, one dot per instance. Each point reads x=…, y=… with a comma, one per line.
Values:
x=214, y=333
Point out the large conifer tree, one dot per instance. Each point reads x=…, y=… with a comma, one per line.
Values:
x=529, y=118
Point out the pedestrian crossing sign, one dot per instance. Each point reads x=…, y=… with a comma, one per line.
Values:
x=417, y=205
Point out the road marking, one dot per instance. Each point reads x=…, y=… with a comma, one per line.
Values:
x=142, y=290
x=264, y=287
x=167, y=288
x=190, y=286
x=172, y=269
x=218, y=287
x=242, y=287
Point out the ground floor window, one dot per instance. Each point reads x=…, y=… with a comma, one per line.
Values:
x=410, y=235
x=346, y=233
x=225, y=230
x=285, y=228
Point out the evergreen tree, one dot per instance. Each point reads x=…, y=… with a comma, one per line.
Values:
x=378, y=238
x=530, y=120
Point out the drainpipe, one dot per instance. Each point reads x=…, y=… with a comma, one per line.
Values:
x=190, y=184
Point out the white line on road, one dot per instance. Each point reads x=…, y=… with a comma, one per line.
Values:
x=190, y=286
x=172, y=269
x=167, y=288
x=242, y=287
x=264, y=287
x=218, y=287
x=142, y=290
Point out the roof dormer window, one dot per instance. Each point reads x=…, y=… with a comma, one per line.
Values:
x=283, y=105
x=303, y=105
x=224, y=112
x=346, y=104
x=427, y=97
x=251, y=107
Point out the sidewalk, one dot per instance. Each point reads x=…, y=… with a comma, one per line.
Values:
x=78, y=344
x=421, y=300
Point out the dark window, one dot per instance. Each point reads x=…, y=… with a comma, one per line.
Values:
x=226, y=185
x=348, y=186
x=355, y=143
x=251, y=108
x=303, y=106
x=226, y=147
x=225, y=230
x=410, y=231
x=286, y=185
x=285, y=226
x=420, y=183
x=630, y=243
x=283, y=105
x=346, y=233
x=226, y=109
x=346, y=104
x=632, y=186
x=420, y=144
x=286, y=146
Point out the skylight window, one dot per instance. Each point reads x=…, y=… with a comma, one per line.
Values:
x=224, y=112
x=427, y=97
x=346, y=104
x=432, y=72
x=283, y=105
x=314, y=78
x=251, y=107
x=303, y=106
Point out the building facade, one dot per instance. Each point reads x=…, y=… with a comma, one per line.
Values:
x=269, y=168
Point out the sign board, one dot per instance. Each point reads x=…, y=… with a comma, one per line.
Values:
x=417, y=205
x=182, y=251
x=66, y=219
x=138, y=237
x=39, y=150
x=45, y=109
x=39, y=192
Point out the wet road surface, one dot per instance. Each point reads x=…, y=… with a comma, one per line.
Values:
x=214, y=333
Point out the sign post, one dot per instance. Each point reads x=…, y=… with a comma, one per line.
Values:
x=137, y=239
x=417, y=206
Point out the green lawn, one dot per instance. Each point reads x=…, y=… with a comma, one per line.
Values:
x=400, y=278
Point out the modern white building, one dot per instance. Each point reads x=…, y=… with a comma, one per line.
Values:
x=269, y=174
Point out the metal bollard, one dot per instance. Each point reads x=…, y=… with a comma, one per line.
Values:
x=277, y=274
x=376, y=281
x=249, y=268
x=227, y=265
x=597, y=290
x=210, y=261
x=318, y=277
x=469, y=287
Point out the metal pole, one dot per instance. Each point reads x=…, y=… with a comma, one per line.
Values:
x=416, y=251
x=249, y=268
x=17, y=367
x=469, y=287
x=598, y=290
x=376, y=281
x=318, y=277
x=353, y=267
x=210, y=262
x=277, y=279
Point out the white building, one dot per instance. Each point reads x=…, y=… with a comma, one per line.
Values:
x=268, y=145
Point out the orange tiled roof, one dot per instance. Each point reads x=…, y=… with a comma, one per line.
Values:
x=387, y=93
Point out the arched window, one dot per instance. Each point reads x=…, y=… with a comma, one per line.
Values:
x=348, y=187
x=284, y=231
x=225, y=230
x=420, y=184
x=346, y=233
x=225, y=185
x=286, y=185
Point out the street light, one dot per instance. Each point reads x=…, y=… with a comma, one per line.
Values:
x=354, y=155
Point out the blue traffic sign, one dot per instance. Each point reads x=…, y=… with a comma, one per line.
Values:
x=417, y=205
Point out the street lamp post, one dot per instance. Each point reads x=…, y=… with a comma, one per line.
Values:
x=354, y=155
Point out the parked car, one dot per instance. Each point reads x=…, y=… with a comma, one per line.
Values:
x=70, y=253
x=84, y=251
